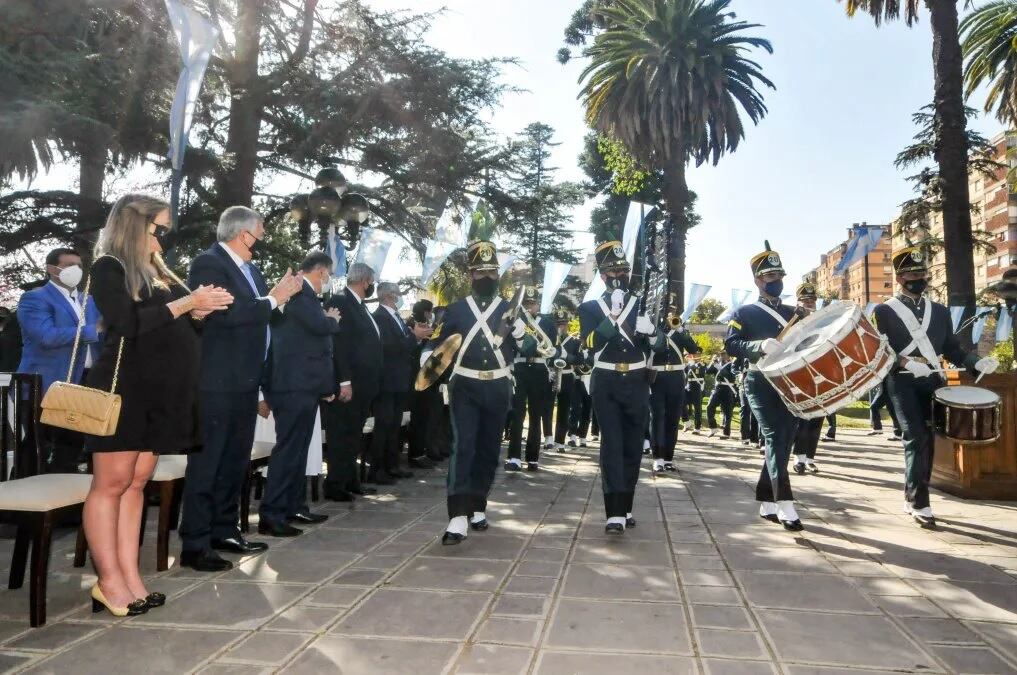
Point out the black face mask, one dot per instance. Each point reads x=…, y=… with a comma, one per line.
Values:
x=618, y=283
x=916, y=286
x=257, y=247
x=369, y=291
x=484, y=287
x=166, y=237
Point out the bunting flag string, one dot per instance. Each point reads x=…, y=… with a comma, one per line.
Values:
x=979, y=327
x=374, y=247
x=956, y=314
x=697, y=293
x=554, y=276
x=435, y=254
x=1004, y=326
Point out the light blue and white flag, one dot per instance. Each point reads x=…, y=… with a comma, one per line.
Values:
x=452, y=232
x=819, y=303
x=434, y=255
x=697, y=292
x=337, y=252
x=554, y=276
x=863, y=240
x=738, y=298
x=1004, y=326
x=373, y=248
x=979, y=327
x=869, y=309
x=956, y=314
x=506, y=263
x=633, y=223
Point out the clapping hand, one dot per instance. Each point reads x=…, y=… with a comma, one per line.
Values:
x=345, y=393
x=287, y=287
x=207, y=299
x=422, y=331
x=263, y=409
x=334, y=314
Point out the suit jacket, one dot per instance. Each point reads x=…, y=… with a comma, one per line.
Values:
x=302, y=347
x=398, y=348
x=356, y=348
x=48, y=324
x=233, y=341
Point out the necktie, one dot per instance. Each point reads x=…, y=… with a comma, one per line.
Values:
x=402, y=324
x=249, y=275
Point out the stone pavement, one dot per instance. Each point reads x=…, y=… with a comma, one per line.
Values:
x=700, y=585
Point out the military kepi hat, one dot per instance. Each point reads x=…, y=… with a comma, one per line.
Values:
x=531, y=295
x=806, y=290
x=482, y=256
x=767, y=261
x=561, y=315
x=910, y=259
x=610, y=255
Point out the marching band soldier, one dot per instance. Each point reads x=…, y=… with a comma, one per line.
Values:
x=581, y=413
x=533, y=386
x=751, y=335
x=724, y=395
x=920, y=333
x=568, y=352
x=748, y=426
x=695, y=375
x=667, y=395
x=479, y=389
x=807, y=436
x=619, y=340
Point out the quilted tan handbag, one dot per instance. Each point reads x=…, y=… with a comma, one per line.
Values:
x=72, y=406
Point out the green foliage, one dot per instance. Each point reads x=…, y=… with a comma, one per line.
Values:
x=628, y=177
x=708, y=311
x=991, y=57
x=1004, y=352
x=710, y=345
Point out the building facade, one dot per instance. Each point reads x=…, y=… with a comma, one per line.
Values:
x=865, y=281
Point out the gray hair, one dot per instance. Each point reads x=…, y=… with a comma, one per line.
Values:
x=359, y=272
x=235, y=220
x=388, y=288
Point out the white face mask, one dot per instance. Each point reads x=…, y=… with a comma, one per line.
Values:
x=71, y=276
x=399, y=303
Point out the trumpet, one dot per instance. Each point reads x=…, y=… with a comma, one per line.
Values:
x=545, y=348
x=674, y=320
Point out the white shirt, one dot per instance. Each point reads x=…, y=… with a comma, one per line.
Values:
x=395, y=317
x=369, y=315
x=240, y=264
x=72, y=298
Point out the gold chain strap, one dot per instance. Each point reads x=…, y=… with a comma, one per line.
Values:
x=77, y=338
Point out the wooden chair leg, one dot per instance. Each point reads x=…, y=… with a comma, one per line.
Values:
x=259, y=484
x=40, y=569
x=80, y=547
x=167, y=492
x=245, y=502
x=20, y=558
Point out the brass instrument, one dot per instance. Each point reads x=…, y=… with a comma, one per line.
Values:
x=545, y=348
x=674, y=320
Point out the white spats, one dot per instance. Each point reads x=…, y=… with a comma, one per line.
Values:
x=515, y=461
x=800, y=459
x=767, y=509
x=478, y=517
x=616, y=520
x=646, y=444
x=458, y=525
x=925, y=512
x=658, y=465
x=786, y=510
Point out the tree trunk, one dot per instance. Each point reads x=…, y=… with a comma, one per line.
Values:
x=952, y=156
x=236, y=180
x=676, y=196
x=91, y=173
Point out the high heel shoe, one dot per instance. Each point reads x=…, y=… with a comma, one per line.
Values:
x=100, y=603
x=155, y=600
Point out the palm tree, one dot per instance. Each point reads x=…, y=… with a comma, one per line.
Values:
x=670, y=79
x=952, y=150
x=988, y=42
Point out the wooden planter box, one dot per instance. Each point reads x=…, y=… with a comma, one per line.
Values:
x=982, y=471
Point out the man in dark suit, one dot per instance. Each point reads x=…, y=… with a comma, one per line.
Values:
x=357, y=362
x=301, y=376
x=399, y=343
x=425, y=406
x=234, y=350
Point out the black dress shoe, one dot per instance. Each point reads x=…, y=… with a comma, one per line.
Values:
x=452, y=538
x=432, y=457
x=630, y=521
x=155, y=600
x=362, y=491
x=308, y=517
x=205, y=560
x=399, y=473
x=668, y=466
x=800, y=468
x=646, y=451
x=926, y=522
x=338, y=495
x=422, y=462
x=793, y=525
x=239, y=545
x=278, y=529
x=479, y=526
x=771, y=517
x=381, y=479
x=512, y=466
x=614, y=528
x=532, y=466
x=583, y=444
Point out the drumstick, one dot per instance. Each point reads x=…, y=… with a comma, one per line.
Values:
x=790, y=323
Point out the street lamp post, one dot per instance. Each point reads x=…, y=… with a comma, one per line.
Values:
x=333, y=208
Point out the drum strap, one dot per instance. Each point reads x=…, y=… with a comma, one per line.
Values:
x=769, y=310
x=670, y=342
x=919, y=332
x=481, y=325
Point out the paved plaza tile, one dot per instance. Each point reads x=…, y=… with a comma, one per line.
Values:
x=700, y=585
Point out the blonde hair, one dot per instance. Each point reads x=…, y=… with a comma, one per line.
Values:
x=125, y=237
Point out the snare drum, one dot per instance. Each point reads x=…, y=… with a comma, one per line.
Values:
x=831, y=359
x=967, y=415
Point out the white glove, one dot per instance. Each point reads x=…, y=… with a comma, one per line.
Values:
x=771, y=346
x=987, y=365
x=917, y=368
x=518, y=329
x=645, y=326
x=617, y=301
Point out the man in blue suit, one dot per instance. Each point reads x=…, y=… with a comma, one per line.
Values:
x=234, y=353
x=301, y=376
x=49, y=318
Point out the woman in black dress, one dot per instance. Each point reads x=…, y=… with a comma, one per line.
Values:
x=149, y=358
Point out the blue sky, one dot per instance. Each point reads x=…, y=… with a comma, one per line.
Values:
x=821, y=160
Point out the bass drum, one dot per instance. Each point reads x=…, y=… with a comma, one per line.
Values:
x=831, y=358
x=967, y=415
